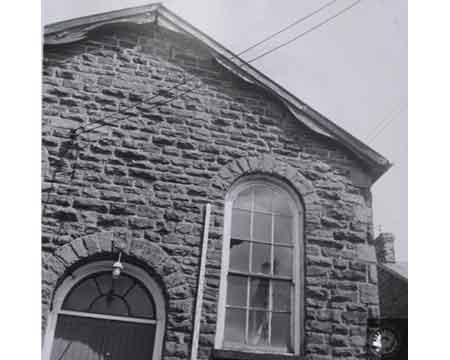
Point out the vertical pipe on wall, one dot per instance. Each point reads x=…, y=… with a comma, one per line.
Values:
x=201, y=284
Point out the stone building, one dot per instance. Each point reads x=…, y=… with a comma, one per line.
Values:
x=157, y=141
x=393, y=295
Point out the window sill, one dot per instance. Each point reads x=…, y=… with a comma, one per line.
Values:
x=219, y=354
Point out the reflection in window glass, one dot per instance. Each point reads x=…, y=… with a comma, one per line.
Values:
x=261, y=258
x=258, y=329
x=239, y=255
x=282, y=261
x=262, y=227
x=237, y=290
x=234, y=325
x=240, y=224
x=280, y=205
x=281, y=328
x=281, y=295
x=259, y=293
x=244, y=200
x=259, y=301
x=263, y=199
x=282, y=232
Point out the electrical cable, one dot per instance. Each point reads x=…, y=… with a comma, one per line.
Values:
x=287, y=27
x=392, y=111
x=392, y=119
x=243, y=64
x=327, y=20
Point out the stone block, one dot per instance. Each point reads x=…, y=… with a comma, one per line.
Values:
x=368, y=293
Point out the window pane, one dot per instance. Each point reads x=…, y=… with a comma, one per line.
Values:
x=140, y=303
x=258, y=327
x=237, y=290
x=244, y=200
x=239, y=255
x=81, y=296
x=282, y=260
x=234, y=326
x=110, y=305
x=281, y=295
x=263, y=199
x=240, y=224
x=280, y=204
x=282, y=230
x=259, y=293
x=262, y=227
x=260, y=258
x=281, y=328
x=122, y=284
x=104, y=282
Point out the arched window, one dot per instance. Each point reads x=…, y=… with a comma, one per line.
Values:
x=260, y=306
x=98, y=317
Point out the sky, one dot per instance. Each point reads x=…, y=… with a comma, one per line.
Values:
x=354, y=70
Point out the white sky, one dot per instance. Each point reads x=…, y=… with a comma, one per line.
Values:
x=353, y=70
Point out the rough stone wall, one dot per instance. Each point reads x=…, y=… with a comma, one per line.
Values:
x=385, y=248
x=149, y=177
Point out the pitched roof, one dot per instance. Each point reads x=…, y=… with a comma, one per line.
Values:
x=397, y=269
x=77, y=29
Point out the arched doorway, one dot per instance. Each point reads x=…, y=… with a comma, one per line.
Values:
x=98, y=317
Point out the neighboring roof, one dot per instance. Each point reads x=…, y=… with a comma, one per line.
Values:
x=397, y=269
x=77, y=29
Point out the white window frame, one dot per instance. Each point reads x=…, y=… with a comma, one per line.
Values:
x=297, y=315
x=101, y=266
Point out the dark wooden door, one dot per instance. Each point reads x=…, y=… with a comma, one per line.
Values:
x=83, y=338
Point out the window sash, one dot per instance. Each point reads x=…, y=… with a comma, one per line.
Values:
x=296, y=318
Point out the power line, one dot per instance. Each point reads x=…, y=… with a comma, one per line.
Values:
x=129, y=107
x=287, y=27
x=327, y=20
x=103, y=123
x=392, y=119
x=154, y=106
x=381, y=123
x=388, y=115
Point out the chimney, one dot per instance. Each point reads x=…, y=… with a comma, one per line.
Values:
x=384, y=247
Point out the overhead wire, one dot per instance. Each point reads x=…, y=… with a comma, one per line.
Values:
x=296, y=22
x=392, y=110
x=389, y=121
x=327, y=20
x=322, y=23
x=101, y=122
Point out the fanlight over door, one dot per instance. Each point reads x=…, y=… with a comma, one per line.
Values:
x=103, y=318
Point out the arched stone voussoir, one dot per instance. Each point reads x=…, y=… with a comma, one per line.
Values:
x=79, y=250
x=159, y=261
x=265, y=164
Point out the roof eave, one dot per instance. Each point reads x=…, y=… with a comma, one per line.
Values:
x=98, y=18
x=377, y=164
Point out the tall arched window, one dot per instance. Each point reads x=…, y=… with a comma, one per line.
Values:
x=98, y=317
x=260, y=306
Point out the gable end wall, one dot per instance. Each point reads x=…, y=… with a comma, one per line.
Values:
x=150, y=176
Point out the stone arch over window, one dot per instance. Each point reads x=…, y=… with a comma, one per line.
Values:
x=268, y=165
x=147, y=261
